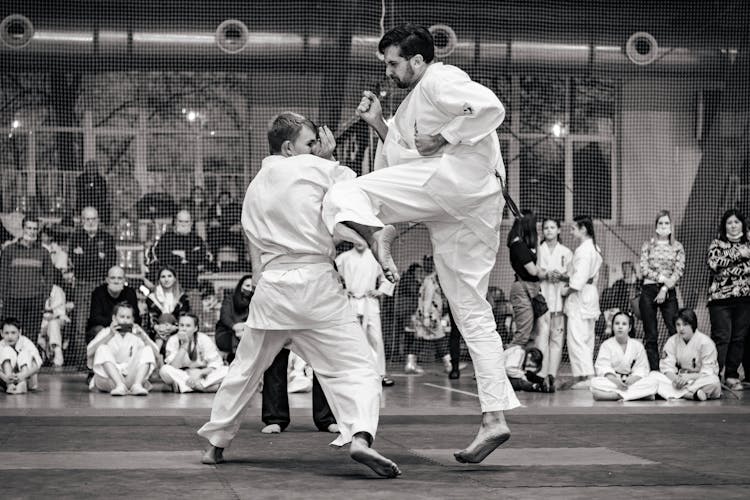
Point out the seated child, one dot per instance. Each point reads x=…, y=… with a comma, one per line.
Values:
x=689, y=364
x=522, y=366
x=19, y=359
x=622, y=365
x=164, y=327
x=192, y=361
x=55, y=318
x=122, y=356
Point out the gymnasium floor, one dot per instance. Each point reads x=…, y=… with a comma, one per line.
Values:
x=66, y=442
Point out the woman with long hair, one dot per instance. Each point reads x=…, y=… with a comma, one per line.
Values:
x=234, y=311
x=192, y=362
x=167, y=298
x=729, y=294
x=553, y=258
x=662, y=265
x=522, y=244
x=582, y=303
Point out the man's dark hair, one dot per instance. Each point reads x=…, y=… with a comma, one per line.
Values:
x=10, y=320
x=411, y=39
x=286, y=127
x=535, y=355
x=122, y=305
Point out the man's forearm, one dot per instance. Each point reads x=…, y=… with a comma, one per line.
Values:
x=381, y=128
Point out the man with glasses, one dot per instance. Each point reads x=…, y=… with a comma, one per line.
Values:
x=93, y=253
x=26, y=279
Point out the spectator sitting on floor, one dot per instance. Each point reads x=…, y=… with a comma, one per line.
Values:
x=192, y=362
x=55, y=318
x=185, y=252
x=19, y=359
x=166, y=298
x=26, y=278
x=105, y=298
x=164, y=326
x=622, y=365
x=522, y=366
x=234, y=311
x=689, y=366
x=122, y=356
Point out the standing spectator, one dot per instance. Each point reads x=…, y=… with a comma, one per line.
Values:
x=362, y=274
x=662, y=265
x=407, y=300
x=522, y=242
x=105, y=297
x=91, y=191
x=582, y=303
x=93, y=253
x=185, y=252
x=234, y=311
x=223, y=217
x=553, y=258
x=167, y=298
x=729, y=294
x=26, y=278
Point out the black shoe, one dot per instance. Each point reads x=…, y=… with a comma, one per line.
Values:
x=89, y=376
x=455, y=373
x=387, y=381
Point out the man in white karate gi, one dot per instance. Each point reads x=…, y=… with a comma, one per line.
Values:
x=445, y=170
x=299, y=302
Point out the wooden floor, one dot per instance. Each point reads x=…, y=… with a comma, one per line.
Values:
x=65, y=442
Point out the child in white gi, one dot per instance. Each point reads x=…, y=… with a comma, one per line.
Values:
x=19, y=359
x=54, y=320
x=122, y=356
x=582, y=302
x=362, y=274
x=299, y=301
x=689, y=366
x=553, y=258
x=445, y=169
x=192, y=361
x=622, y=365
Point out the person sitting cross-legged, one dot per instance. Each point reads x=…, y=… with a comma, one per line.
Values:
x=19, y=359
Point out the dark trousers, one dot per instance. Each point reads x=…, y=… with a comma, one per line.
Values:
x=649, y=308
x=276, y=398
x=28, y=312
x=454, y=343
x=729, y=327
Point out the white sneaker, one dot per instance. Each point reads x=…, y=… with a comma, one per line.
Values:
x=138, y=390
x=120, y=390
x=333, y=428
x=271, y=429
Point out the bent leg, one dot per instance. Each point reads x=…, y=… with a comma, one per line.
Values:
x=255, y=352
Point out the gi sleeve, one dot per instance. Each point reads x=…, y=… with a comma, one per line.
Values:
x=603, y=365
x=476, y=110
x=641, y=367
x=579, y=275
x=668, y=362
x=709, y=358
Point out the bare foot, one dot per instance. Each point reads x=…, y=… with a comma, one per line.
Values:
x=271, y=429
x=119, y=390
x=381, y=248
x=361, y=452
x=213, y=455
x=492, y=433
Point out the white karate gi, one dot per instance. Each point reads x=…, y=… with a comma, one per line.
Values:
x=55, y=317
x=361, y=273
x=696, y=356
x=298, y=302
x=127, y=352
x=582, y=308
x=551, y=326
x=612, y=359
x=456, y=194
x=206, y=353
x=20, y=355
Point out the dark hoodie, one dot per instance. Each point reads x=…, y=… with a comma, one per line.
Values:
x=234, y=309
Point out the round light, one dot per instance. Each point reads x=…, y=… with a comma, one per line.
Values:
x=15, y=124
x=557, y=130
x=191, y=116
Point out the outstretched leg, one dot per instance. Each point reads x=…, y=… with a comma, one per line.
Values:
x=361, y=452
x=492, y=433
x=379, y=239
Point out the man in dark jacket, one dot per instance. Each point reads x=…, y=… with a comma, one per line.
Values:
x=26, y=278
x=91, y=191
x=93, y=253
x=104, y=299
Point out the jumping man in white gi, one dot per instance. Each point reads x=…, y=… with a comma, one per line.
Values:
x=444, y=170
x=298, y=300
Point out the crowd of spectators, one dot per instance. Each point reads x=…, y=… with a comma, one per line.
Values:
x=59, y=297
